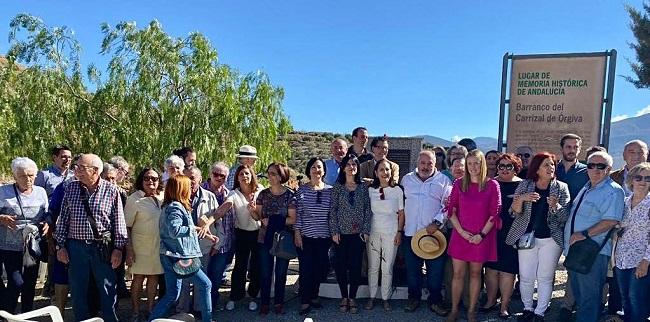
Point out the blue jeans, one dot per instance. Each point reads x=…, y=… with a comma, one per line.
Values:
x=267, y=262
x=634, y=293
x=435, y=273
x=173, y=285
x=588, y=290
x=216, y=267
x=84, y=258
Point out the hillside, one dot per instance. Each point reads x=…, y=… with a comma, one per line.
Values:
x=305, y=145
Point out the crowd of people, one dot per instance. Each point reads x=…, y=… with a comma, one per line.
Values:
x=474, y=220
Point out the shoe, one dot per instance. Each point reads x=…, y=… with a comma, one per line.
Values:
x=471, y=316
x=278, y=309
x=412, y=305
x=264, y=309
x=489, y=308
x=252, y=306
x=230, y=305
x=452, y=317
x=526, y=316
x=565, y=314
x=438, y=310
x=505, y=315
x=316, y=304
x=370, y=304
x=304, y=309
x=353, y=307
x=343, y=307
x=386, y=306
x=538, y=318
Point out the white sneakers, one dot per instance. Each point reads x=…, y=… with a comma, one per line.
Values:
x=251, y=306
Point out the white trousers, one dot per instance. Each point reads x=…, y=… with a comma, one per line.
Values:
x=538, y=263
x=381, y=254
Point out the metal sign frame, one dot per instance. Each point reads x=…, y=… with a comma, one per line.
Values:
x=608, y=90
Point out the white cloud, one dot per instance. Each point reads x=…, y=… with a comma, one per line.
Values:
x=619, y=117
x=642, y=111
x=455, y=138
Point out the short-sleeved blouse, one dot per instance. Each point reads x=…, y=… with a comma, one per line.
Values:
x=243, y=218
x=384, y=211
x=142, y=215
x=634, y=245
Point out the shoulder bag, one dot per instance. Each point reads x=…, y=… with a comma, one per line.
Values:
x=104, y=240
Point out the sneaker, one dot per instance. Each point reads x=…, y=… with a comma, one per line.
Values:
x=526, y=316
x=412, y=305
x=230, y=305
x=438, y=309
x=252, y=306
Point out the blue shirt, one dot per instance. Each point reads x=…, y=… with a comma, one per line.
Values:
x=51, y=177
x=576, y=177
x=331, y=171
x=605, y=201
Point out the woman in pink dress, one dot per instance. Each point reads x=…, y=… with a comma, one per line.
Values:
x=474, y=213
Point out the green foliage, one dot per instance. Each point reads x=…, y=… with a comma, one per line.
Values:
x=640, y=25
x=158, y=93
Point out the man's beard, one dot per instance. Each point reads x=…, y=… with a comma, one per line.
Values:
x=569, y=158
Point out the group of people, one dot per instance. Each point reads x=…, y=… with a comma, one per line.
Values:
x=474, y=220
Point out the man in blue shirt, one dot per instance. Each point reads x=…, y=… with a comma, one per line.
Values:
x=598, y=208
x=57, y=172
x=338, y=149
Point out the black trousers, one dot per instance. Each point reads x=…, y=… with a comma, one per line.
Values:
x=349, y=253
x=21, y=282
x=246, y=260
x=314, y=265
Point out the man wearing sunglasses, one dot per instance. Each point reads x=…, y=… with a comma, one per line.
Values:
x=598, y=208
x=635, y=152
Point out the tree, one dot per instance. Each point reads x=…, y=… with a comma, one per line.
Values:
x=158, y=93
x=640, y=25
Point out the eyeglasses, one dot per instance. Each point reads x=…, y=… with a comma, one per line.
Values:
x=382, y=196
x=508, y=166
x=319, y=194
x=599, y=166
x=218, y=175
x=640, y=178
x=149, y=178
x=523, y=155
x=126, y=172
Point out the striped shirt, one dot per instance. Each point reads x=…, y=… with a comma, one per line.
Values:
x=312, y=208
x=106, y=206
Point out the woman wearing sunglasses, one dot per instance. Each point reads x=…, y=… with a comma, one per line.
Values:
x=142, y=214
x=311, y=233
x=500, y=275
x=632, y=254
x=386, y=229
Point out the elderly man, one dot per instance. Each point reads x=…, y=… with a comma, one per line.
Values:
x=338, y=149
x=635, y=152
x=23, y=208
x=58, y=172
x=598, y=208
x=379, y=147
x=204, y=203
x=92, y=210
x=247, y=156
x=359, y=142
x=425, y=190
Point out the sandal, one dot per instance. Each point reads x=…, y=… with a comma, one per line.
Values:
x=353, y=307
x=343, y=307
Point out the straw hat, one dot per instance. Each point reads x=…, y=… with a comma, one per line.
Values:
x=247, y=151
x=428, y=246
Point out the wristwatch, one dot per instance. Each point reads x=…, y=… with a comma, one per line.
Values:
x=57, y=247
x=481, y=234
x=437, y=223
x=585, y=233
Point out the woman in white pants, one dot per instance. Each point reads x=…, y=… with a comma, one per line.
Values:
x=540, y=210
x=386, y=228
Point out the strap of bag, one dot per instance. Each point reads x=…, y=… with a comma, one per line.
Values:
x=20, y=203
x=573, y=222
x=89, y=213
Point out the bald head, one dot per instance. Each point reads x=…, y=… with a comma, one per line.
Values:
x=338, y=148
x=89, y=167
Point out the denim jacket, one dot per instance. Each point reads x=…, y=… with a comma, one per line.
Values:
x=178, y=236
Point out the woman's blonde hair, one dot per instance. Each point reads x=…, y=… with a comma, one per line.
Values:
x=178, y=188
x=467, y=180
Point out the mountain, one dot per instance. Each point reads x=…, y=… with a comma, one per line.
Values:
x=483, y=143
x=626, y=130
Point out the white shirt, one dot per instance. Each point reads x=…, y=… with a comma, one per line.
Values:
x=384, y=212
x=243, y=219
x=424, y=200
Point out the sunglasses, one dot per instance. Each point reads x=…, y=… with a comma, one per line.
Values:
x=599, y=166
x=640, y=178
x=508, y=167
x=523, y=155
x=382, y=196
x=149, y=178
x=218, y=175
x=440, y=155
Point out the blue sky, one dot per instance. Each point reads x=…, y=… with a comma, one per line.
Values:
x=396, y=67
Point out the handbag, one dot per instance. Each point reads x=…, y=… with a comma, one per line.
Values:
x=582, y=254
x=32, y=240
x=104, y=241
x=526, y=241
x=185, y=267
x=283, y=245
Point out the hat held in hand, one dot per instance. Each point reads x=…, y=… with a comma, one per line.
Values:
x=428, y=246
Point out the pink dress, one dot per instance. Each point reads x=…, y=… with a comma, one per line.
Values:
x=473, y=209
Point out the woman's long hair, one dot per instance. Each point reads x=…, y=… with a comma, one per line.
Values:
x=344, y=163
x=178, y=188
x=252, y=185
x=467, y=180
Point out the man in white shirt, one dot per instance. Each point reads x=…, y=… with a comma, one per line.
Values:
x=426, y=190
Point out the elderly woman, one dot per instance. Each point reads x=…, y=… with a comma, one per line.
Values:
x=349, y=222
x=632, y=253
x=540, y=207
x=474, y=213
x=142, y=213
x=454, y=152
x=179, y=241
x=311, y=233
x=23, y=207
x=174, y=165
x=491, y=158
